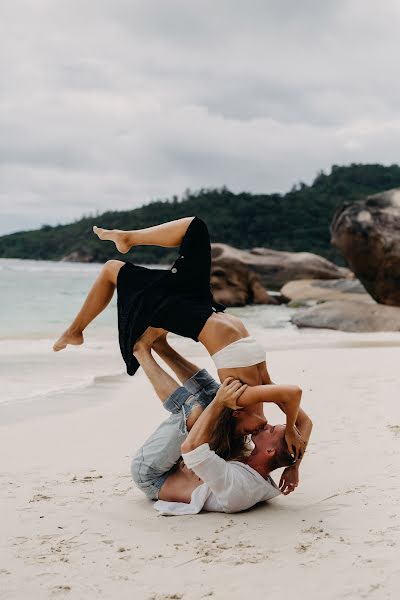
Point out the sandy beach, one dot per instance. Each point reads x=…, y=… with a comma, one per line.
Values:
x=74, y=526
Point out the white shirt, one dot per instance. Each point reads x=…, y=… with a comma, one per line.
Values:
x=228, y=486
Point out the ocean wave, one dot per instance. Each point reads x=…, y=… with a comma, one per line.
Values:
x=49, y=266
x=36, y=266
x=82, y=384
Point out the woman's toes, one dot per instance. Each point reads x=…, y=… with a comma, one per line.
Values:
x=97, y=230
x=75, y=339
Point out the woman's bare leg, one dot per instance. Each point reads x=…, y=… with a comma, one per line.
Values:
x=98, y=298
x=164, y=385
x=167, y=235
x=182, y=368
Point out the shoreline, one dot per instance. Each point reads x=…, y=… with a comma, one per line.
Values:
x=75, y=525
x=80, y=371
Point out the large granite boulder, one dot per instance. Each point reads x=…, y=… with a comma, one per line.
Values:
x=234, y=284
x=349, y=316
x=367, y=233
x=304, y=291
x=276, y=268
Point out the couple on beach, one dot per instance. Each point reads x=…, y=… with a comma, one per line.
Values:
x=201, y=457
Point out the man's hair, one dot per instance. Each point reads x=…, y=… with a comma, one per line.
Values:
x=282, y=456
x=230, y=445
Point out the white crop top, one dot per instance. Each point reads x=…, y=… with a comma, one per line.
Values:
x=242, y=353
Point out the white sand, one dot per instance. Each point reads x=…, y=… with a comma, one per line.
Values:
x=74, y=526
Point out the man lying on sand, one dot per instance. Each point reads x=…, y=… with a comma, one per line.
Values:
x=184, y=464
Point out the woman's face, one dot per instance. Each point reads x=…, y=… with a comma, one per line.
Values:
x=250, y=420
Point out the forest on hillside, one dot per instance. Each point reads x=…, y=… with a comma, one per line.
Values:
x=296, y=221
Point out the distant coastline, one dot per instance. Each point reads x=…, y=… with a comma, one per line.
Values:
x=296, y=221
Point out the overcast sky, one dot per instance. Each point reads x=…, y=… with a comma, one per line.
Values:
x=108, y=104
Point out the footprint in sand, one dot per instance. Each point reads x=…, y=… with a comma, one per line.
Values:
x=166, y=597
x=61, y=588
x=39, y=498
x=86, y=478
x=237, y=554
x=395, y=429
x=300, y=548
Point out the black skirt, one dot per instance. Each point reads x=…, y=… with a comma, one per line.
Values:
x=177, y=299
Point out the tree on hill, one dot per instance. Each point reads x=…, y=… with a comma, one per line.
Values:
x=296, y=221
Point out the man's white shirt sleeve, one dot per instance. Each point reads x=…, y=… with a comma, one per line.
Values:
x=236, y=485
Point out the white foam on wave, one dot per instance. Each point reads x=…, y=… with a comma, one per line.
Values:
x=30, y=369
x=37, y=266
x=50, y=266
x=76, y=386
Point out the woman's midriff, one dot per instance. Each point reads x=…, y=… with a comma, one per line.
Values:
x=221, y=330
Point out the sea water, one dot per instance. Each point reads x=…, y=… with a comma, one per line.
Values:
x=38, y=301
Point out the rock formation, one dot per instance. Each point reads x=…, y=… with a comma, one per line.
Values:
x=350, y=316
x=234, y=284
x=367, y=233
x=305, y=291
x=276, y=268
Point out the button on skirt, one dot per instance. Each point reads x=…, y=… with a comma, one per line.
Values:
x=177, y=299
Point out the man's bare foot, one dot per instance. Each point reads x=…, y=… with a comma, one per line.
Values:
x=68, y=337
x=122, y=239
x=148, y=338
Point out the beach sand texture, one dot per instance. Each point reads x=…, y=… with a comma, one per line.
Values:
x=74, y=526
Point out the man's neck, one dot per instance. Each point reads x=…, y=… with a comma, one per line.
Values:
x=261, y=467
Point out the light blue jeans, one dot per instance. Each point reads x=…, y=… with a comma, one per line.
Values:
x=160, y=453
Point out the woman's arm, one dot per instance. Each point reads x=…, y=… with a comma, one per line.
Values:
x=290, y=476
x=287, y=397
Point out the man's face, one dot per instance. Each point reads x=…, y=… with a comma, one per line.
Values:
x=250, y=420
x=270, y=436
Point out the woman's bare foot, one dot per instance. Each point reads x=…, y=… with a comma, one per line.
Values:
x=160, y=342
x=122, y=239
x=68, y=337
x=148, y=338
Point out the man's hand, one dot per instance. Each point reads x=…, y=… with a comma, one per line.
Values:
x=289, y=480
x=295, y=443
x=229, y=393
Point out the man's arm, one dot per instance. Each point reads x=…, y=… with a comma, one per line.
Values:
x=228, y=394
x=223, y=479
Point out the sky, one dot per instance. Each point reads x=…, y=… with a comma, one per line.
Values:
x=109, y=104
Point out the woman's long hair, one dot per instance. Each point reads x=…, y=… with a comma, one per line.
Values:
x=225, y=441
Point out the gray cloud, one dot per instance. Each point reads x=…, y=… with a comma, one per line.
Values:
x=111, y=104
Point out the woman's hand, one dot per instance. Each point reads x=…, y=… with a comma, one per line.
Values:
x=289, y=479
x=229, y=393
x=295, y=443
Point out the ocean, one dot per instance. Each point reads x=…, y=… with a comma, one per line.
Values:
x=39, y=299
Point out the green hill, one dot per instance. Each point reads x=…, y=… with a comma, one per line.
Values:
x=298, y=220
